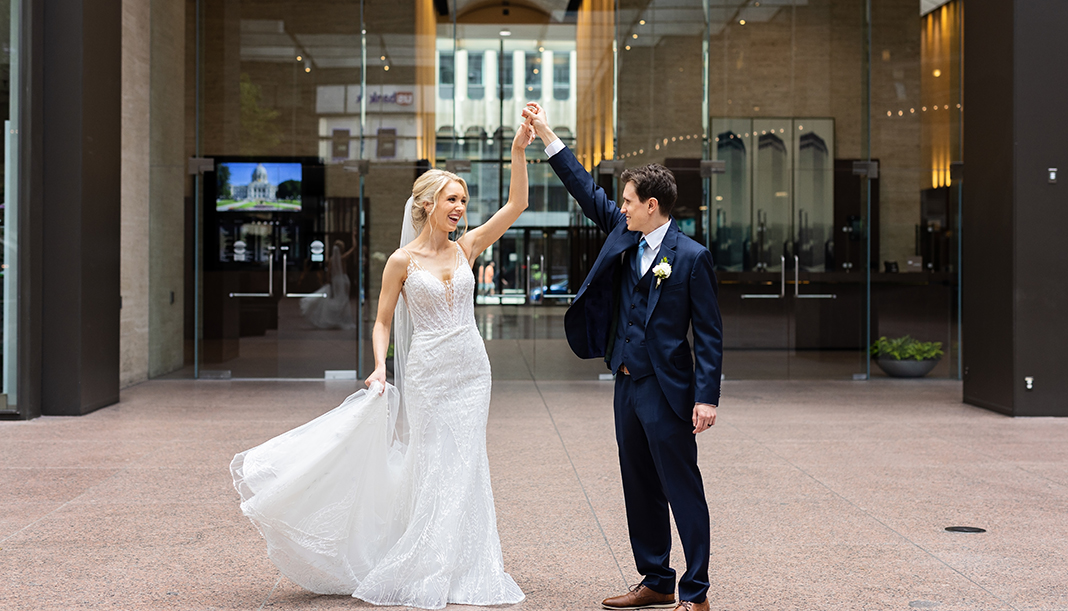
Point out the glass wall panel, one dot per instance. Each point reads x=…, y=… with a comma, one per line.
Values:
x=10, y=78
x=811, y=143
x=916, y=125
x=285, y=107
x=786, y=100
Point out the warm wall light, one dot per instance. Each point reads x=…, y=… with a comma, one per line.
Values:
x=308, y=69
x=741, y=22
x=633, y=35
x=383, y=58
x=937, y=73
x=300, y=58
x=642, y=22
x=541, y=49
x=627, y=47
x=386, y=68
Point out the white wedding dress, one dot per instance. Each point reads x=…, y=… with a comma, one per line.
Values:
x=347, y=507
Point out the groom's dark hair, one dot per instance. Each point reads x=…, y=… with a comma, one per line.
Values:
x=653, y=180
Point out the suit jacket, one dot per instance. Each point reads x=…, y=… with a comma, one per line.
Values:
x=685, y=299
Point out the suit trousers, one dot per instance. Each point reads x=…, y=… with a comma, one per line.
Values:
x=658, y=462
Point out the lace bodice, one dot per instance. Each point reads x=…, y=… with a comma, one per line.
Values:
x=436, y=305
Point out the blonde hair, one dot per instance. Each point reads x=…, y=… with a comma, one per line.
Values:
x=426, y=189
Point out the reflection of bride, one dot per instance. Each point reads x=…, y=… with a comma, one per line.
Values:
x=334, y=311
x=387, y=497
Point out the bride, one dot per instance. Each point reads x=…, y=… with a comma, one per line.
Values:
x=387, y=497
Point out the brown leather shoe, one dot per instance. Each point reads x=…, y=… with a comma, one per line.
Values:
x=685, y=605
x=641, y=597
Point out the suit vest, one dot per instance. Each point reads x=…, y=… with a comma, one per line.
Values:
x=629, y=346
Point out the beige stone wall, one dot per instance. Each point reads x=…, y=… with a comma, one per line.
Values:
x=134, y=267
x=153, y=178
x=168, y=178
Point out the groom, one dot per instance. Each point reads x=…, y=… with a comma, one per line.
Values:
x=649, y=285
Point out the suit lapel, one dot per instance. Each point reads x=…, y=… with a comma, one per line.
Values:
x=667, y=250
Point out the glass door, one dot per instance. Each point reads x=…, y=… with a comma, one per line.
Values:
x=280, y=212
x=786, y=204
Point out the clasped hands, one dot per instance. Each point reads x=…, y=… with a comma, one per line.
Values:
x=531, y=112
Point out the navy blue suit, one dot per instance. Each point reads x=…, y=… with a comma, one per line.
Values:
x=628, y=319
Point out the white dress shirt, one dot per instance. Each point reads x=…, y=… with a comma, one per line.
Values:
x=653, y=240
x=554, y=147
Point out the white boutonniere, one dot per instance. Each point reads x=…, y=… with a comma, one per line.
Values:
x=662, y=271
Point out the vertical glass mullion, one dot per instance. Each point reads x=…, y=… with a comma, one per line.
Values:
x=866, y=153
x=706, y=132
x=197, y=188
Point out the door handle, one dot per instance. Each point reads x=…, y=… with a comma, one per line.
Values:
x=270, y=278
x=285, y=259
x=782, y=285
x=544, y=275
x=797, y=285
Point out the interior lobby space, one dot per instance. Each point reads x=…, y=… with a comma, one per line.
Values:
x=243, y=167
x=823, y=495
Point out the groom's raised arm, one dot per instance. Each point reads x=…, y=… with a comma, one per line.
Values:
x=589, y=195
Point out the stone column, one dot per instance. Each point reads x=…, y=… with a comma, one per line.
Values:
x=81, y=194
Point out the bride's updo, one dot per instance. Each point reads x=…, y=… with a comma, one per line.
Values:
x=426, y=190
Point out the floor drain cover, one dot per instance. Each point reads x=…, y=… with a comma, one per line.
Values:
x=964, y=529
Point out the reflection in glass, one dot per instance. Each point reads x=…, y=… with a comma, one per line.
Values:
x=475, y=89
x=9, y=111
x=772, y=185
x=533, y=75
x=446, y=74
x=814, y=194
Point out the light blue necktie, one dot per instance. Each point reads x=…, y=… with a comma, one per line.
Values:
x=641, y=253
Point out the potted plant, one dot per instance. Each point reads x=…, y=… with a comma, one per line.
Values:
x=906, y=357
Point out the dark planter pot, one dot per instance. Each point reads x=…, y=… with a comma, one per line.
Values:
x=906, y=369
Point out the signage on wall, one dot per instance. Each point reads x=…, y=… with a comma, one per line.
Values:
x=346, y=99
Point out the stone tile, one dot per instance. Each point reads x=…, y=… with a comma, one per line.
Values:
x=16, y=516
x=49, y=485
x=823, y=495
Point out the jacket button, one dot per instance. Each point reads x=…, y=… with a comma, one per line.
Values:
x=630, y=324
x=628, y=340
x=632, y=306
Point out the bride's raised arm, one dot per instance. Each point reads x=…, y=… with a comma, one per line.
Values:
x=477, y=240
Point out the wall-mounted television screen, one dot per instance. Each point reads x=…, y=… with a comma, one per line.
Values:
x=249, y=186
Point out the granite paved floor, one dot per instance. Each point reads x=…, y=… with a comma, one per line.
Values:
x=824, y=495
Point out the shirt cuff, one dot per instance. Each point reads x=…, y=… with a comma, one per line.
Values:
x=554, y=147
